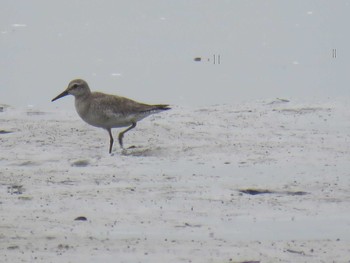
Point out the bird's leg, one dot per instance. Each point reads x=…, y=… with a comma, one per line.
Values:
x=121, y=134
x=111, y=139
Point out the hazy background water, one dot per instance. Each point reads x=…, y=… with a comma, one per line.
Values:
x=145, y=50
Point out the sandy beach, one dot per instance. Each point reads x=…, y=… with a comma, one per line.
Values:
x=262, y=181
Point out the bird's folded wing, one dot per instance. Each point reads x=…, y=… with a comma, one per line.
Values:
x=118, y=105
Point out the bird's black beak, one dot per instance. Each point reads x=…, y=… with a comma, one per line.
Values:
x=64, y=93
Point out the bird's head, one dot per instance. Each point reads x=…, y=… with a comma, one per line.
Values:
x=77, y=88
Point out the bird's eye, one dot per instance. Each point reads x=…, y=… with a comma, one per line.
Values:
x=75, y=86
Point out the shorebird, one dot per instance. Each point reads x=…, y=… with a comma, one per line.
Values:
x=108, y=111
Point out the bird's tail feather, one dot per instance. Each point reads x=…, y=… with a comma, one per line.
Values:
x=162, y=107
x=157, y=108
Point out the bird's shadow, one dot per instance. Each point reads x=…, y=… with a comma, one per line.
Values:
x=142, y=152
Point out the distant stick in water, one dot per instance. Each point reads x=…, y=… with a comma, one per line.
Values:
x=108, y=111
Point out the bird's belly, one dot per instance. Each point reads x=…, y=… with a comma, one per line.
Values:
x=102, y=122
